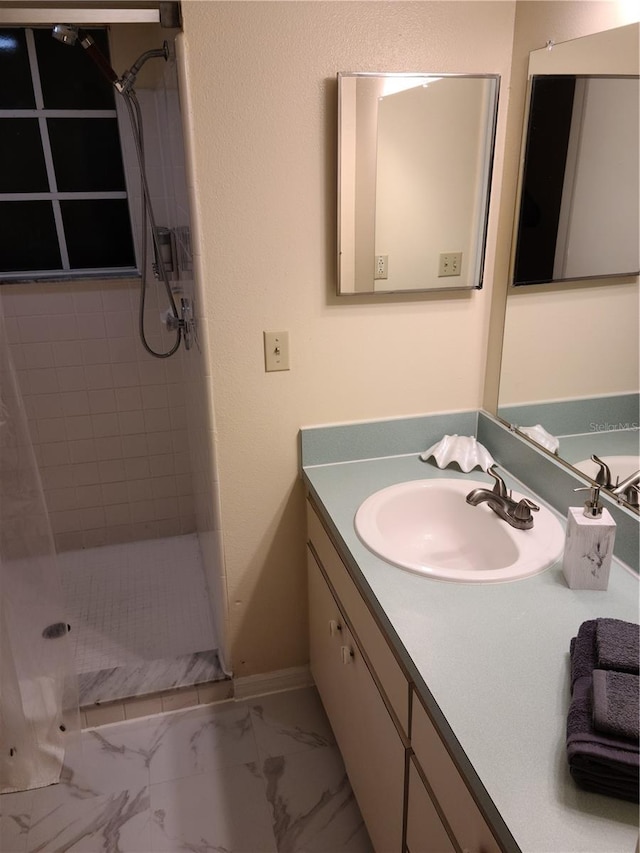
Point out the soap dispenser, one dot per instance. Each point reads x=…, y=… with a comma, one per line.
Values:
x=589, y=544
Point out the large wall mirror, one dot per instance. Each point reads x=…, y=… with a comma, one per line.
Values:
x=415, y=157
x=579, y=215
x=570, y=361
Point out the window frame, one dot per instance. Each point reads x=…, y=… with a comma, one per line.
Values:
x=41, y=114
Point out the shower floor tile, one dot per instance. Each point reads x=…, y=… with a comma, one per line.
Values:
x=137, y=602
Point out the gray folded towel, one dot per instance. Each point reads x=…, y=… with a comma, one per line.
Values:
x=617, y=645
x=583, y=651
x=599, y=762
x=616, y=705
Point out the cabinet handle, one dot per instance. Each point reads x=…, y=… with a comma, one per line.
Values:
x=334, y=627
x=347, y=654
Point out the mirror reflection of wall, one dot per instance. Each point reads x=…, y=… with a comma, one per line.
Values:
x=571, y=354
x=415, y=167
x=579, y=214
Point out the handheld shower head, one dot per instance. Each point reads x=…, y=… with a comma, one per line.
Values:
x=65, y=33
x=70, y=35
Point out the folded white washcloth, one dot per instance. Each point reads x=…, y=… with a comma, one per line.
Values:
x=539, y=434
x=465, y=450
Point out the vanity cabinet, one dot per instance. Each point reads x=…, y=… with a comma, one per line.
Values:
x=410, y=793
x=372, y=750
x=426, y=833
x=466, y=823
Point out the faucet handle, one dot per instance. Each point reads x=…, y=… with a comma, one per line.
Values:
x=603, y=477
x=499, y=486
x=632, y=495
x=523, y=509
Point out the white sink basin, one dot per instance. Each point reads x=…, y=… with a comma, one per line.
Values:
x=620, y=466
x=426, y=526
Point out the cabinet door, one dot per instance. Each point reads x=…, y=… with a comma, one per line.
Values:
x=425, y=831
x=370, y=745
x=471, y=831
x=390, y=677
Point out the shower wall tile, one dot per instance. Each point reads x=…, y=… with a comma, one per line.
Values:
x=107, y=421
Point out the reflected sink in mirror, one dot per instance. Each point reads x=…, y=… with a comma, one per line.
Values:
x=619, y=466
x=426, y=526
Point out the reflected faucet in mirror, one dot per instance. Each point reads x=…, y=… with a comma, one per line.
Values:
x=628, y=489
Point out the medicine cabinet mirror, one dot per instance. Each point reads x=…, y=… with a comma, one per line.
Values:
x=414, y=173
x=580, y=339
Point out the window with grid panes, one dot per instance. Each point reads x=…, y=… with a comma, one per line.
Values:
x=64, y=209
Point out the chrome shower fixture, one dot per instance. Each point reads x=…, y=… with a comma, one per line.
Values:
x=162, y=238
x=129, y=77
x=68, y=34
x=65, y=33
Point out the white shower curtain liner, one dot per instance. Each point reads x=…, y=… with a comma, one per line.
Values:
x=38, y=692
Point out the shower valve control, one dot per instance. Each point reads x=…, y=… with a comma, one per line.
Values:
x=185, y=322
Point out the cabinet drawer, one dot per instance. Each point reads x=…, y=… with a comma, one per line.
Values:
x=460, y=810
x=391, y=678
x=367, y=737
x=425, y=831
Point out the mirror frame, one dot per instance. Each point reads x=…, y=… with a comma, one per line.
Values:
x=487, y=179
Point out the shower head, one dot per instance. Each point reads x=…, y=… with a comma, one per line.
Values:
x=65, y=33
x=70, y=35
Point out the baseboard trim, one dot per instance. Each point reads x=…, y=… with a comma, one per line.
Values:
x=248, y=686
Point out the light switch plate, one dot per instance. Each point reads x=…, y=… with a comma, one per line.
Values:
x=450, y=263
x=276, y=351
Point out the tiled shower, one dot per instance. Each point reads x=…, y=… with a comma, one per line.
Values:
x=123, y=443
x=107, y=420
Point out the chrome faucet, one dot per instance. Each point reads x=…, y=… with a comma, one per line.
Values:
x=515, y=513
x=628, y=489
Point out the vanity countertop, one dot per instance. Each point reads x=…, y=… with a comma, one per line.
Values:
x=494, y=658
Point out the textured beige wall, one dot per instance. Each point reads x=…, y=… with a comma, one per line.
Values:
x=262, y=117
x=537, y=22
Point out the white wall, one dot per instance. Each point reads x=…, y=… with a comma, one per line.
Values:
x=577, y=341
x=429, y=177
x=263, y=101
x=603, y=212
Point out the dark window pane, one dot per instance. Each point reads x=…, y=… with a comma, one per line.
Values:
x=16, y=89
x=98, y=233
x=86, y=154
x=28, y=236
x=22, y=167
x=69, y=78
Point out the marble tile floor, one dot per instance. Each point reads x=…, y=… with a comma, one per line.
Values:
x=261, y=775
